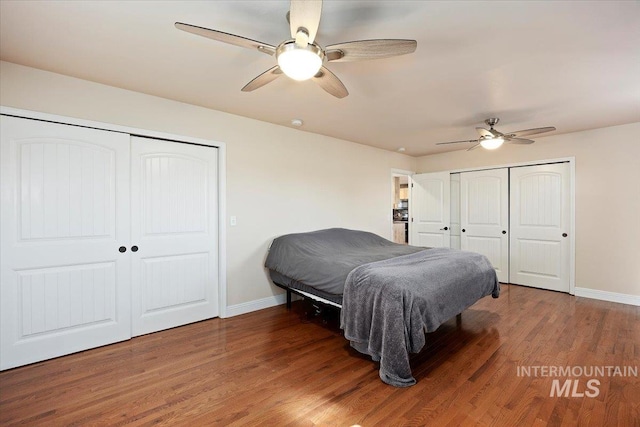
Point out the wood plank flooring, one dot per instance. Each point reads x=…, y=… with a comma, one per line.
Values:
x=281, y=368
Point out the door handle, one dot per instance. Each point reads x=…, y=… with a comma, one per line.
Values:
x=463, y=230
x=134, y=248
x=564, y=234
x=445, y=229
x=504, y=231
x=122, y=249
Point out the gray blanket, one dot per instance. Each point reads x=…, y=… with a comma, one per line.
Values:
x=388, y=305
x=323, y=259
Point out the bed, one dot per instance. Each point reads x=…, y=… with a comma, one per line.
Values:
x=389, y=294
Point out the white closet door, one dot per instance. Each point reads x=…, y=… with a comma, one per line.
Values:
x=540, y=222
x=455, y=211
x=484, y=216
x=174, y=194
x=65, y=212
x=430, y=210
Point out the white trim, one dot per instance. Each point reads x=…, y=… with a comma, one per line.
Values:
x=513, y=165
x=608, y=296
x=398, y=172
x=222, y=231
x=27, y=114
x=259, y=304
x=222, y=173
x=572, y=226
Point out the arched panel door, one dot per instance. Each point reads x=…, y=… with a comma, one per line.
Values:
x=174, y=229
x=540, y=224
x=65, y=214
x=484, y=217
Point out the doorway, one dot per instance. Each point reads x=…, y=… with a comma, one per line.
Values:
x=400, y=195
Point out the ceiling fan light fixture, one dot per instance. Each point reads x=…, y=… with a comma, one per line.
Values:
x=299, y=63
x=299, y=57
x=491, y=143
x=492, y=139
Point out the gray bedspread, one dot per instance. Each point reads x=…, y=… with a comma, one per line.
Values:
x=388, y=305
x=323, y=259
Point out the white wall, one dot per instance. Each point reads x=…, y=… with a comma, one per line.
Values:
x=282, y=180
x=279, y=180
x=607, y=197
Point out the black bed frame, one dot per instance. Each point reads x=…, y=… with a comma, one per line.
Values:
x=333, y=306
x=319, y=307
x=319, y=310
x=291, y=291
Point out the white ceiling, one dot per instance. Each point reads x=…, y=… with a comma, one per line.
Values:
x=573, y=65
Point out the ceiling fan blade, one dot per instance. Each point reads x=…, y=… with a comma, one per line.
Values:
x=473, y=147
x=305, y=14
x=268, y=76
x=456, y=142
x=528, y=132
x=520, y=141
x=227, y=38
x=369, y=49
x=485, y=132
x=329, y=82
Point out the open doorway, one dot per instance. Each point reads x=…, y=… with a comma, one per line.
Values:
x=400, y=206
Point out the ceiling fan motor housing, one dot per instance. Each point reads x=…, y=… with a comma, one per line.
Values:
x=492, y=121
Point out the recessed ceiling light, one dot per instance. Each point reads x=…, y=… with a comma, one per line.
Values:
x=296, y=122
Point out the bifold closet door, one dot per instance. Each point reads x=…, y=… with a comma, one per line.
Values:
x=174, y=234
x=484, y=216
x=64, y=284
x=540, y=225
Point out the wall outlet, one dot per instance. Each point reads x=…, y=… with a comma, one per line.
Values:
x=233, y=221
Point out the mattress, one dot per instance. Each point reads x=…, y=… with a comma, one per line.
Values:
x=320, y=261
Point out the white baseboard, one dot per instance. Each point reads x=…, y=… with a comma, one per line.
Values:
x=259, y=304
x=607, y=296
x=272, y=301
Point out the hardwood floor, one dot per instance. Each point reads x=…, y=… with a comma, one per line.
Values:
x=277, y=367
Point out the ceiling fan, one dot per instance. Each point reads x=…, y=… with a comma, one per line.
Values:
x=300, y=57
x=492, y=139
